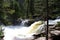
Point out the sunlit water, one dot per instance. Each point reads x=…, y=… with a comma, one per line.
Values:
x=21, y=31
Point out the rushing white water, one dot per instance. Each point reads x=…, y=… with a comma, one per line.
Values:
x=10, y=32
x=23, y=22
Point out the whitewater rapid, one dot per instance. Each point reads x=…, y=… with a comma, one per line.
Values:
x=22, y=32
x=10, y=32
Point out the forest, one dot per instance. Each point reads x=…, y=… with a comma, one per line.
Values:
x=18, y=15
x=12, y=10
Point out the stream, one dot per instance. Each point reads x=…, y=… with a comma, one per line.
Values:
x=10, y=32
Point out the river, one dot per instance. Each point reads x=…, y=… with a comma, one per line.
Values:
x=11, y=32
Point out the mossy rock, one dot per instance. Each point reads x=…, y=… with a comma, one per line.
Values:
x=58, y=25
x=1, y=34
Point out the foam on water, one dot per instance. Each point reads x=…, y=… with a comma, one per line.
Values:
x=11, y=32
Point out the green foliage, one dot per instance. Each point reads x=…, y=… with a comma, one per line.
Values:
x=11, y=10
x=39, y=8
x=1, y=33
x=6, y=4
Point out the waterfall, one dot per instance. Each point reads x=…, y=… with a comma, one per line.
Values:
x=11, y=32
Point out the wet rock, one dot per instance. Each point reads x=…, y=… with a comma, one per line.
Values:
x=57, y=28
x=29, y=23
x=41, y=38
x=56, y=37
x=55, y=32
